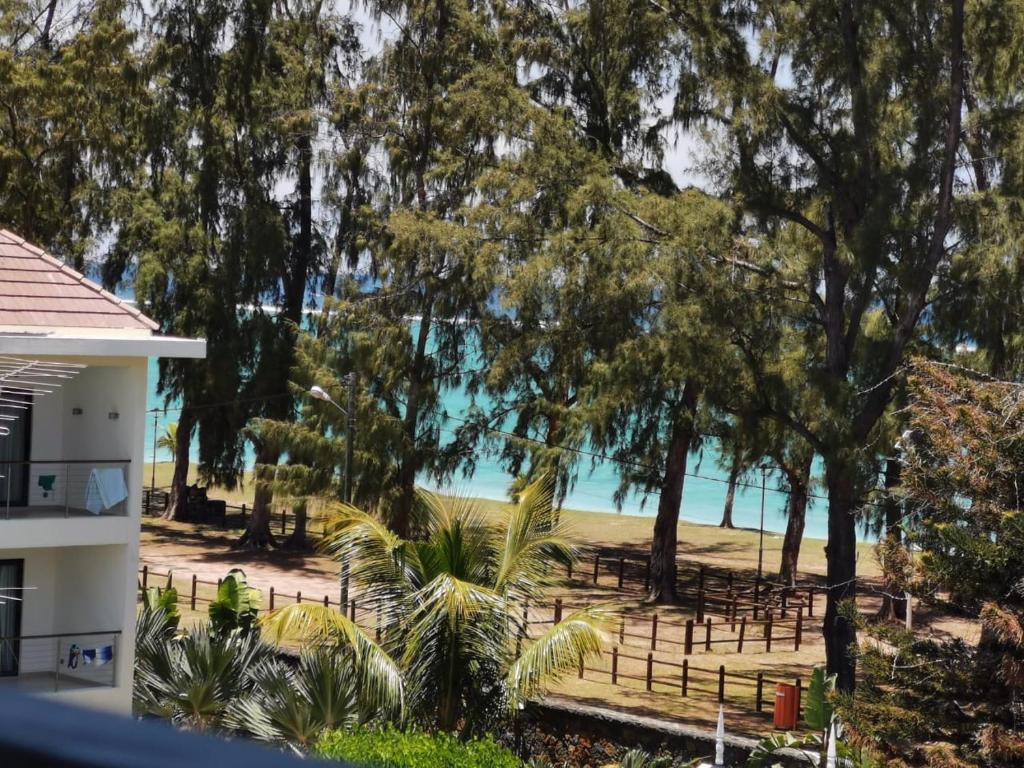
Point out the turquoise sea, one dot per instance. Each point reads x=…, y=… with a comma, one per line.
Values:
x=703, y=496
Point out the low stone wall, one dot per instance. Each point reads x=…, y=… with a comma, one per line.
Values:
x=576, y=735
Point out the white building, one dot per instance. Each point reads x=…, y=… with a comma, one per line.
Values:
x=73, y=368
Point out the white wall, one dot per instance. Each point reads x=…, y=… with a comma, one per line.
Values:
x=85, y=568
x=79, y=590
x=58, y=434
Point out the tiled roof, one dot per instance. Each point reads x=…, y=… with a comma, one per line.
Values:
x=37, y=289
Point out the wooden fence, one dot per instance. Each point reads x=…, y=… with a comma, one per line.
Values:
x=739, y=689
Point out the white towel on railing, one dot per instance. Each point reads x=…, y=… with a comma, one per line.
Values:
x=106, y=488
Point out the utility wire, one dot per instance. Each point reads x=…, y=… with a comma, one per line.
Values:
x=536, y=441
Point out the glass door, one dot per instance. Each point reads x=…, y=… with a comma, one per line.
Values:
x=11, y=578
x=16, y=450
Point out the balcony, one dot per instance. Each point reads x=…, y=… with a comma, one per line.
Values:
x=65, y=488
x=65, y=662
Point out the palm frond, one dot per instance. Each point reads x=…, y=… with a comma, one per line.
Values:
x=381, y=560
x=560, y=649
x=380, y=677
x=532, y=541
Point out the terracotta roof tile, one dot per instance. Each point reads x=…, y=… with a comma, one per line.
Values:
x=37, y=289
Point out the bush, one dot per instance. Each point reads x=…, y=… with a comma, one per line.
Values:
x=391, y=748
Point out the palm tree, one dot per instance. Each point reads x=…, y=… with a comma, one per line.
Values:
x=169, y=439
x=230, y=678
x=193, y=679
x=450, y=604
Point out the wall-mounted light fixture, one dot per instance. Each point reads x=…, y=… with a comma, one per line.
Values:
x=76, y=411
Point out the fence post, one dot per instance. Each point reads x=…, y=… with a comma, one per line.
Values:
x=298, y=597
x=686, y=676
x=700, y=602
x=271, y=598
x=327, y=603
x=615, y=665
x=707, y=634
x=757, y=597
x=145, y=576
x=810, y=601
x=721, y=683
x=622, y=570
x=798, y=635
x=193, y=591
x=743, y=631
x=622, y=629
x=759, y=707
x=700, y=578
x=799, y=696
x=654, y=632
x=581, y=667
x=597, y=563
x=732, y=609
x=558, y=609
x=647, y=574
x=650, y=669
x=768, y=634
x=785, y=603
x=688, y=638
x=282, y=521
x=352, y=610
x=243, y=515
x=170, y=578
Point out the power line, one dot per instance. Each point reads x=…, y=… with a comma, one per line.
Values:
x=564, y=448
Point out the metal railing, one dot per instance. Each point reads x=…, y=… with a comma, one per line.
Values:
x=68, y=661
x=63, y=488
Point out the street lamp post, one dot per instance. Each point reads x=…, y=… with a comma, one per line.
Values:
x=760, y=541
x=320, y=393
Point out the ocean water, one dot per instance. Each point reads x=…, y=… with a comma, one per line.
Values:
x=703, y=494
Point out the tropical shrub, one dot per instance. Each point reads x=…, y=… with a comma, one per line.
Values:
x=327, y=690
x=236, y=606
x=450, y=606
x=390, y=748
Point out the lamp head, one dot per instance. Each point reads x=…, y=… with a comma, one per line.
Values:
x=319, y=393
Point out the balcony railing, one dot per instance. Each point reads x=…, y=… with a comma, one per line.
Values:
x=70, y=661
x=63, y=488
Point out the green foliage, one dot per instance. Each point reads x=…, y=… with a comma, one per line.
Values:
x=155, y=599
x=450, y=607
x=236, y=606
x=327, y=690
x=168, y=441
x=389, y=748
x=818, y=705
x=962, y=459
x=638, y=758
x=195, y=679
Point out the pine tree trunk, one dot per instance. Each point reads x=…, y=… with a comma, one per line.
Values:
x=297, y=540
x=894, y=606
x=730, y=493
x=257, y=533
x=666, y=524
x=401, y=519
x=178, y=497
x=838, y=630
x=798, y=478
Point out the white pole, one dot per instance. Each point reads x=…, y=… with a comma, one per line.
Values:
x=720, y=738
x=830, y=757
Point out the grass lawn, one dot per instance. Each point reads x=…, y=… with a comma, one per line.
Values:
x=729, y=549
x=186, y=549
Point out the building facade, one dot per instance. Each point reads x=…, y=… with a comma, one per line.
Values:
x=73, y=383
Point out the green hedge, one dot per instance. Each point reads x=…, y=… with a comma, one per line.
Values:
x=399, y=749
